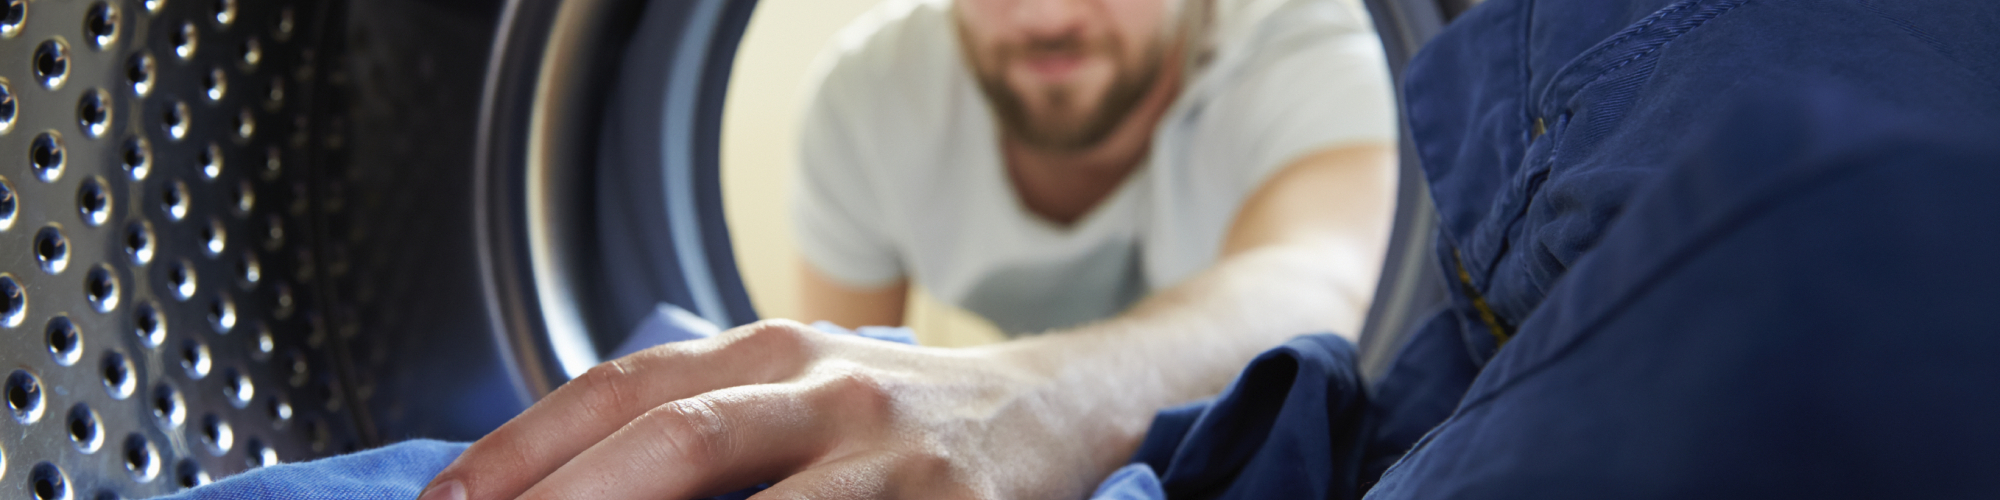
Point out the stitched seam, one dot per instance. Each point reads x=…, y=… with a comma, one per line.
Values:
x=1656, y=47
x=1547, y=93
x=1766, y=202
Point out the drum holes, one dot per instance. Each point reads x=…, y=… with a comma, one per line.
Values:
x=24, y=397
x=45, y=156
x=51, y=250
x=9, y=205
x=238, y=387
x=100, y=287
x=222, y=314
x=250, y=52
x=139, y=242
x=168, y=407
x=245, y=125
x=195, y=359
x=100, y=25
x=137, y=158
x=8, y=107
x=174, y=200
x=84, y=429
x=256, y=454
x=215, y=84
x=285, y=25
x=118, y=377
x=188, y=474
x=278, y=409
x=149, y=325
x=225, y=11
x=93, y=202
x=185, y=40
x=249, y=270
x=175, y=121
x=210, y=161
x=243, y=197
x=93, y=113
x=140, y=70
x=181, y=280
x=214, y=237
x=142, y=459
x=51, y=63
x=64, y=341
x=11, y=20
x=13, y=302
x=217, y=434
x=49, y=482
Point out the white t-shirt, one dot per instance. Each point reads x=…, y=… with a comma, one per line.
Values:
x=902, y=177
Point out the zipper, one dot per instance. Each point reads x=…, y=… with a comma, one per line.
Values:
x=1501, y=332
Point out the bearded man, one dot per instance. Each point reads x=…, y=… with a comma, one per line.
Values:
x=1157, y=190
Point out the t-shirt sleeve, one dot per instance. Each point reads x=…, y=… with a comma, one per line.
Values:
x=1309, y=92
x=837, y=206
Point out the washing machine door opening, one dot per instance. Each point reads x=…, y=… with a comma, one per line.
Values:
x=599, y=186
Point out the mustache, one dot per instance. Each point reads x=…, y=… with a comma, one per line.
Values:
x=1058, y=46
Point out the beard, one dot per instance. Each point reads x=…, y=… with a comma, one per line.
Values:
x=1067, y=120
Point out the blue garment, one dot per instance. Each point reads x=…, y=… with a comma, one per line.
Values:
x=1731, y=249
x=396, y=472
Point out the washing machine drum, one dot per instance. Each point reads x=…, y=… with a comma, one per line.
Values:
x=236, y=233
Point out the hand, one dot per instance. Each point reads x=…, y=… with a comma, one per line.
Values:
x=822, y=416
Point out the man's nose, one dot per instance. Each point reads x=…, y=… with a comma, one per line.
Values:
x=1049, y=18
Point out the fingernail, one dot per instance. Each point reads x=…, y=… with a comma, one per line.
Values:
x=449, y=490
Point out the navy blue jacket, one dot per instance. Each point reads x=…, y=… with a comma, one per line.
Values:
x=1705, y=249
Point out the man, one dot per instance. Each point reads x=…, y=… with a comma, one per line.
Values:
x=1045, y=163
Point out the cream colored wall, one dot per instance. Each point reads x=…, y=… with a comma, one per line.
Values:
x=759, y=154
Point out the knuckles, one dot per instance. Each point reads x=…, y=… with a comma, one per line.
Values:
x=786, y=341
x=607, y=391
x=693, y=432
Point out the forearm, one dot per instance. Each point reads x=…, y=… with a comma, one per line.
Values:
x=1188, y=341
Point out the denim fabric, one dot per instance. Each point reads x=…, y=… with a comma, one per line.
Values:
x=1787, y=308
x=1735, y=244
x=1287, y=428
x=1796, y=309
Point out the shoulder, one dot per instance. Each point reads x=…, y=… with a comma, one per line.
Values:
x=901, y=51
x=1289, y=77
x=1262, y=27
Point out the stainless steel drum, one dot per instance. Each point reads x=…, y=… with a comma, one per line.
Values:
x=239, y=232
x=162, y=319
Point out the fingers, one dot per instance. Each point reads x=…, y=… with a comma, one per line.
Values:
x=602, y=401
x=700, y=446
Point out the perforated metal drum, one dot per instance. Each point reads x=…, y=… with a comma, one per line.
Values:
x=160, y=321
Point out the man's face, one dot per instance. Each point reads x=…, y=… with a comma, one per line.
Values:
x=1061, y=74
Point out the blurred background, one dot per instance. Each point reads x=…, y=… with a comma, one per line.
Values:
x=767, y=92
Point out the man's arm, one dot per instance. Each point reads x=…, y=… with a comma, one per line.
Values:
x=1302, y=256
x=839, y=417
x=823, y=299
